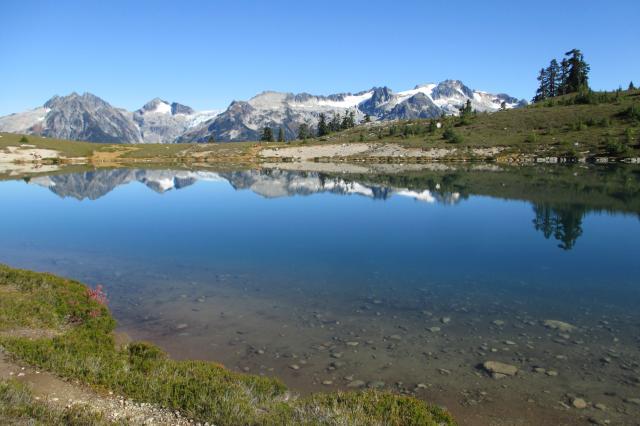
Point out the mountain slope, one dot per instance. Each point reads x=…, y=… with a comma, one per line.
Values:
x=78, y=117
x=163, y=122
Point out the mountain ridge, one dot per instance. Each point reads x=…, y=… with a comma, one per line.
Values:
x=87, y=117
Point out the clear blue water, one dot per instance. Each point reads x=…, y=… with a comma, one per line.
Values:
x=219, y=266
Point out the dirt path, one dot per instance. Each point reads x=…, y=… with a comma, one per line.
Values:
x=61, y=394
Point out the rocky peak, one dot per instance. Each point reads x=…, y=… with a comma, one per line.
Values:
x=177, y=108
x=451, y=89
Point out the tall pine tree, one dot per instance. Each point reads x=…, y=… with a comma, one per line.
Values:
x=303, y=131
x=267, y=135
x=281, y=135
x=542, y=92
x=564, y=75
x=553, y=74
x=578, y=77
x=323, y=128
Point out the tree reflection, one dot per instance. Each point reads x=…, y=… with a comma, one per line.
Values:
x=563, y=222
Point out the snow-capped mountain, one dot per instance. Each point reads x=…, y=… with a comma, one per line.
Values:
x=163, y=122
x=244, y=120
x=87, y=117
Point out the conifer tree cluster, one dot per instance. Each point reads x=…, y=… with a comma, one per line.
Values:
x=466, y=111
x=303, y=131
x=571, y=75
x=336, y=123
x=267, y=135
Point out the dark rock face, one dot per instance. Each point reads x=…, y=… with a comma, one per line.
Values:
x=87, y=117
x=177, y=108
x=380, y=97
x=418, y=106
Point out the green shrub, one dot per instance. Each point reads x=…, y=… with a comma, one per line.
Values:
x=451, y=136
x=18, y=406
x=632, y=113
x=531, y=138
x=615, y=147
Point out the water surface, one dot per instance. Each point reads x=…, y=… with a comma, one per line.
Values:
x=406, y=282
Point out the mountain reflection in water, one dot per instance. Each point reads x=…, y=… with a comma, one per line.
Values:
x=559, y=220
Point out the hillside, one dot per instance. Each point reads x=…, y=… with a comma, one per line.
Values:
x=601, y=125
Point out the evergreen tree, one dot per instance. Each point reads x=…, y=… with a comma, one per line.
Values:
x=467, y=110
x=562, y=78
x=211, y=139
x=335, y=123
x=323, y=128
x=367, y=118
x=578, y=76
x=433, y=126
x=631, y=86
x=303, y=131
x=348, y=121
x=281, y=135
x=267, y=135
x=552, y=75
x=541, y=93
x=503, y=106
x=344, y=124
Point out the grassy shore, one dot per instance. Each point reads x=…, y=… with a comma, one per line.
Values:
x=18, y=406
x=77, y=342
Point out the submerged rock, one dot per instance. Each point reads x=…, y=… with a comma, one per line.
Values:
x=499, y=369
x=579, y=403
x=562, y=326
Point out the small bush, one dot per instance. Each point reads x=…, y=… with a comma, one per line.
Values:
x=451, y=136
x=615, y=147
x=531, y=138
x=632, y=113
x=24, y=139
x=579, y=125
x=629, y=136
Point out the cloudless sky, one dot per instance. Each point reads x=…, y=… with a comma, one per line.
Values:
x=207, y=53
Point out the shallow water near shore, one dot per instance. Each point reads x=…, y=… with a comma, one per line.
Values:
x=335, y=280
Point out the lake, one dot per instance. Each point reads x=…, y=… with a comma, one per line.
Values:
x=408, y=282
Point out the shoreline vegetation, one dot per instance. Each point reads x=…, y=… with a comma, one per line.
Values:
x=595, y=127
x=64, y=327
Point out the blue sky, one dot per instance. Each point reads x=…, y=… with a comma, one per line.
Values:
x=207, y=53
